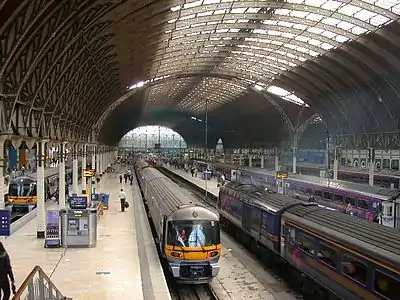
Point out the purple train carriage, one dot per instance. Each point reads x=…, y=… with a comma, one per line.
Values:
x=368, y=202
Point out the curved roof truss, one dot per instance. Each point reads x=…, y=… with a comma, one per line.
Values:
x=256, y=41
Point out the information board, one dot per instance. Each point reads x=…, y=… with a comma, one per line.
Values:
x=5, y=222
x=89, y=172
x=52, y=228
x=78, y=202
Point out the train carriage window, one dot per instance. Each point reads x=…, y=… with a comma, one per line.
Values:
x=350, y=200
x=386, y=285
x=327, y=195
x=327, y=255
x=363, y=204
x=318, y=193
x=264, y=221
x=338, y=198
x=306, y=243
x=354, y=269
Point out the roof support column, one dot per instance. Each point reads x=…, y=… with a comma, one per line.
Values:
x=335, y=164
x=61, y=179
x=294, y=148
x=262, y=158
x=2, y=167
x=84, y=153
x=75, y=169
x=41, y=208
x=371, y=160
x=276, y=160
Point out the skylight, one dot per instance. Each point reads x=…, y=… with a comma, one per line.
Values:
x=284, y=94
x=255, y=40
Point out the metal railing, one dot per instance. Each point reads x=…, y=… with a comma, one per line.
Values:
x=38, y=286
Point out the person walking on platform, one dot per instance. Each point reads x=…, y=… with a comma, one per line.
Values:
x=120, y=178
x=122, y=198
x=131, y=179
x=126, y=177
x=6, y=274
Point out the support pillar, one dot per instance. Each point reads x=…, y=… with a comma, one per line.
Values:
x=61, y=178
x=84, y=153
x=250, y=160
x=94, y=158
x=276, y=162
x=240, y=160
x=2, y=168
x=75, y=169
x=294, y=160
x=262, y=161
x=41, y=208
x=98, y=158
x=335, y=165
x=371, y=159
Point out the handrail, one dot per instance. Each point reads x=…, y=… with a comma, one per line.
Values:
x=40, y=288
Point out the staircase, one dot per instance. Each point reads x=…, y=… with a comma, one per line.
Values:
x=38, y=286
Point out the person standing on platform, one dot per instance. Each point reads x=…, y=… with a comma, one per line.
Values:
x=122, y=198
x=120, y=178
x=6, y=275
x=131, y=179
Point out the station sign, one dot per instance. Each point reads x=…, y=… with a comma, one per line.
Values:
x=281, y=175
x=5, y=222
x=78, y=202
x=89, y=172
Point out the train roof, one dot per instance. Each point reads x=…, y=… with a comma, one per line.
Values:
x=259, y=197
x=194, y=213
x=368, y=237
x=374, y=191
x=23, y=179
x=174, y=202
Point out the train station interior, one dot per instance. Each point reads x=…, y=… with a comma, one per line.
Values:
x=292, y=99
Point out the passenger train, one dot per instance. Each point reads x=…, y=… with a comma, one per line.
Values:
x=351, y=257
x=368, y=202
x=188, y=234
x=22, y=191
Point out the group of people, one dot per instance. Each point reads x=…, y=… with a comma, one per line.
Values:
x=7, y=281
x=127, y=176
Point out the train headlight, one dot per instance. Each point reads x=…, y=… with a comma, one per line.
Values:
x=177, y=254
x=213, y=254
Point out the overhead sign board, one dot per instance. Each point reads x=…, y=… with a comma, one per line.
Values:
x=5, y=222
x=78, y=202
x=281, y=175
x=89, y=172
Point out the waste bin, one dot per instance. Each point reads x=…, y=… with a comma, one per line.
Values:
x=105, y=198
x=79, y=227
x=207, y=175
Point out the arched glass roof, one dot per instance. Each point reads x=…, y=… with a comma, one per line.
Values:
x=145, y=137
x=254, y=42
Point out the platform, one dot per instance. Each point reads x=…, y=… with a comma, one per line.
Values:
x=211, y=184
x=123, y=265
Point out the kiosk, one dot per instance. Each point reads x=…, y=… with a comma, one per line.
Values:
x=79, y=224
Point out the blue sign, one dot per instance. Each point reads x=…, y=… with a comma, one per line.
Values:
x=5, y=222
x=78, y=202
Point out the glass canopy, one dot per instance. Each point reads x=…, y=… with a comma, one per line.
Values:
x=254, y=42
x=146, y=137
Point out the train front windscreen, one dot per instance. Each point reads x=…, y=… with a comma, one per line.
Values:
x=22, y=189
x=193, y=233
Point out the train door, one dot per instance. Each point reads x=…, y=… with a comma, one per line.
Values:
x=246, y=217
x=387, y=214
x=396, y=208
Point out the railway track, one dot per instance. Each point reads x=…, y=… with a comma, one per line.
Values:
x=195, y=292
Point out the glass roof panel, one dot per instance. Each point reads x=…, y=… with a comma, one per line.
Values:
x=256, y=38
